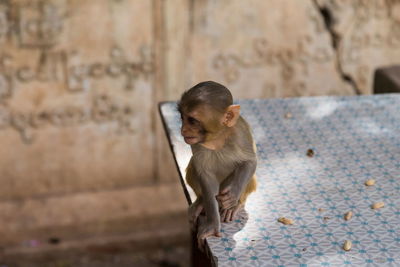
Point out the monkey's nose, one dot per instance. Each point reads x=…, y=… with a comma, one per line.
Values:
x=183, y=130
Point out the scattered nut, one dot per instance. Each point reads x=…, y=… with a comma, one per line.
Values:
x=348, y=215
x=310, y=153
x=347, y=245
x=377, y=205
x=288, y=115
x=326, y=218
x=321, y=210
x=285, y=220
x=304, y=249
x=370, y=182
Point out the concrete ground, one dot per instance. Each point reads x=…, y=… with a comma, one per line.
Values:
x=166, y=244
x=176, y=256
x=153, y=232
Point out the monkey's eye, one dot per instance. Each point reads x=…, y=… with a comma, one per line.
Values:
x=192, y=121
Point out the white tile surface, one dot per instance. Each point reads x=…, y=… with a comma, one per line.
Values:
x=354, y=138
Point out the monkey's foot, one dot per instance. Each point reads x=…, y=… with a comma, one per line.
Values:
x=206, y=229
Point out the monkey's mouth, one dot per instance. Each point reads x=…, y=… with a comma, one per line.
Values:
x=190, y=140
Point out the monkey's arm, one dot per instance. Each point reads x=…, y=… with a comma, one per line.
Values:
x=211, y=227
x=233, y=186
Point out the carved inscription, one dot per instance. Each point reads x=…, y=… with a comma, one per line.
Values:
x=76, y=77
x=374, y=40
x=285, y=58
x=32, y=24
x=357, y=29
x=102, y=110
x=37, y=26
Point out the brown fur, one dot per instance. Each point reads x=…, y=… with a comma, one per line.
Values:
x=234, y=152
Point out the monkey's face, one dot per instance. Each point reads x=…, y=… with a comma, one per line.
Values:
x=197, y=125
x=192, y=128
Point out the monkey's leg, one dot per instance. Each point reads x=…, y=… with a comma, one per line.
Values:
x=209, y=189
x=250, y=188
x=197, y=207
x=206, y=188
x=194, y=211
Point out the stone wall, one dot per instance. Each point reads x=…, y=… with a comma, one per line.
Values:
x=81, y=141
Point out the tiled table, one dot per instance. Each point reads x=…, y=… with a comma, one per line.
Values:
x=354, y=138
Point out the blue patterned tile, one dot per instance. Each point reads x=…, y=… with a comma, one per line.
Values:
x=354, y=138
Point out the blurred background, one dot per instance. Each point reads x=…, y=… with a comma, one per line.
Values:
x=86, y=174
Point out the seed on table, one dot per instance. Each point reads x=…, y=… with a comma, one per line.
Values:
x=321, y=210
x=377, y=205
x=285, y=220
x=347, y=245
x=288, y=115
x=370, y=182
x=310, y=153
x=348, y=215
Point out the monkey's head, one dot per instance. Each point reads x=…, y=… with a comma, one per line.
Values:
x=207, y=113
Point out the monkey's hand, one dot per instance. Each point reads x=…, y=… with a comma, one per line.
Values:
x=229, y=197
x=228, y=215
x=206, y=229
x=194, y=211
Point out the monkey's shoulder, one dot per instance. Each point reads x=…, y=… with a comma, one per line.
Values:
x=242, y=137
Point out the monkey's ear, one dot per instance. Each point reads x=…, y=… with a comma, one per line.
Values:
x=232, y=115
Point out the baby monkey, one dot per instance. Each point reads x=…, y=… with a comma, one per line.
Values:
x=221, y=170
